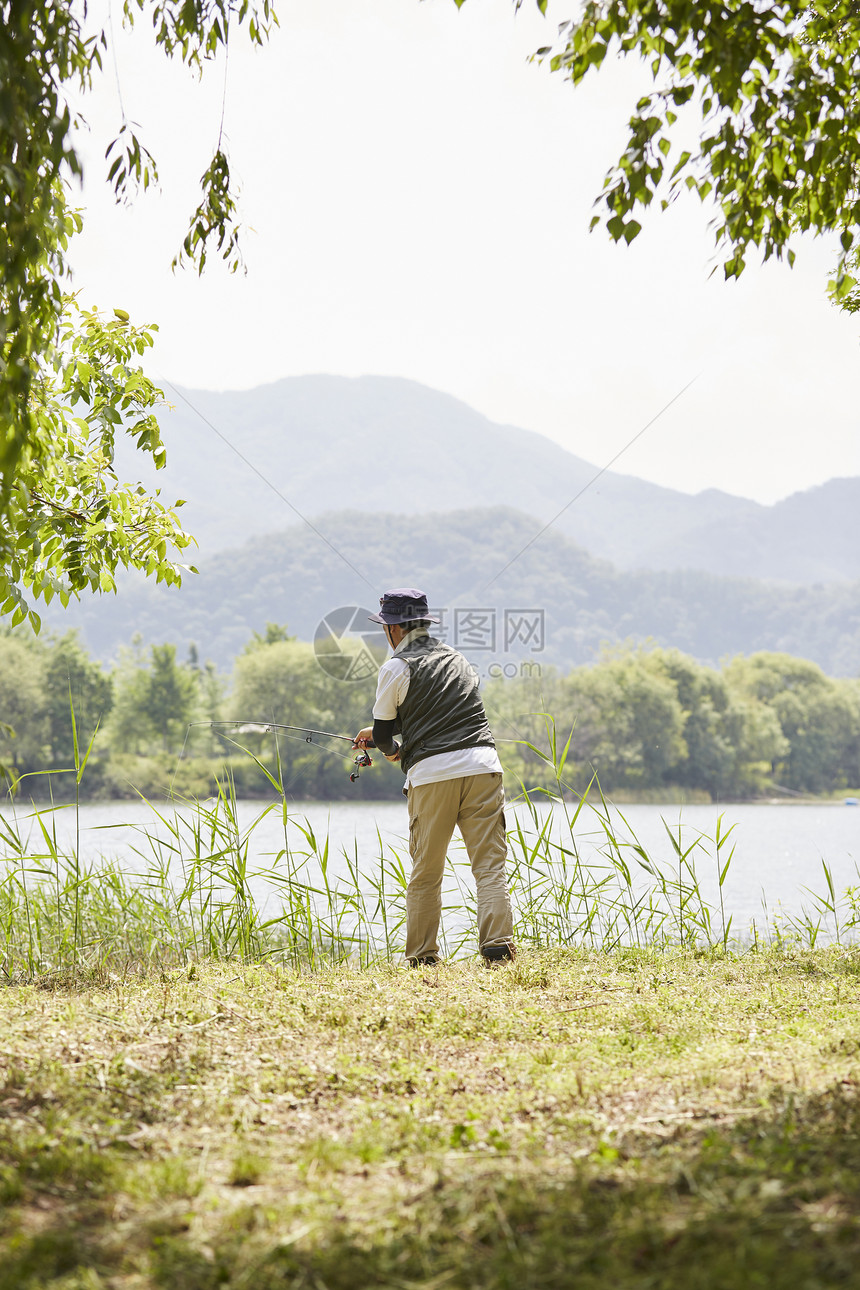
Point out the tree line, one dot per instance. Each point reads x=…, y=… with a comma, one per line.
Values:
x=645, y=720
x=656, y=719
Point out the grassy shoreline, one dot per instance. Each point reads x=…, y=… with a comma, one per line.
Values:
x=166, y=789
x=626, y=1119
x=205, y=884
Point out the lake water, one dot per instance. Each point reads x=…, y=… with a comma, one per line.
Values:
x=779, y=849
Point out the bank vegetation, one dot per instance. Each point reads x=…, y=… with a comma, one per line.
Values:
x=652, y=723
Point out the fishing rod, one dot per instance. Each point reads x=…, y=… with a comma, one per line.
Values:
x=360, y=761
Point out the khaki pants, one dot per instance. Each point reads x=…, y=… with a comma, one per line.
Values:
x=474, y=803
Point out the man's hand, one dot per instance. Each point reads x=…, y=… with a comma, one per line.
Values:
x=364, y=740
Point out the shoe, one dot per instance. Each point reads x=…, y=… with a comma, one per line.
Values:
x=493, y=955
x=428, y=961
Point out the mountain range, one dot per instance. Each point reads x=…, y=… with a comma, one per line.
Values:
x=252, y=462
x=314, y=494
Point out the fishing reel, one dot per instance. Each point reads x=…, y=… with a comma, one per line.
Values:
x=362, y=759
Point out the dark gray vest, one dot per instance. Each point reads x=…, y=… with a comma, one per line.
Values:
x=442, y=711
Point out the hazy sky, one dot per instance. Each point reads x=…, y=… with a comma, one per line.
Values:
x=416, y=198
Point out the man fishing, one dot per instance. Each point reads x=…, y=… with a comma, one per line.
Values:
x=429, y=694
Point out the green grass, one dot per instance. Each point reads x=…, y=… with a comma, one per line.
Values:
x=195, y=1095
x=638, y=1118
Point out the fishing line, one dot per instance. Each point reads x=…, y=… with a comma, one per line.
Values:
x=297, y=772
x=301, y=734
x=522, y=739
x=270, y=485
x=558, y=514
x=259, y=728
x=361, y=760
x=591, y=481
x=266, y=727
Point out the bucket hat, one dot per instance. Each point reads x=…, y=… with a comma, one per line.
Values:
x=403, y=605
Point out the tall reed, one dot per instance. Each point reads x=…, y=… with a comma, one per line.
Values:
x=201, y=884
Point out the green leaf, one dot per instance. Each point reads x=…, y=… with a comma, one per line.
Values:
x=775, y=89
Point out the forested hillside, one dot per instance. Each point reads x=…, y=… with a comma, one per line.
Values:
x=294, y=577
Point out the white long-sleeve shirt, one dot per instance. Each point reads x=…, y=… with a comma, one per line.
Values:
x=391, y=688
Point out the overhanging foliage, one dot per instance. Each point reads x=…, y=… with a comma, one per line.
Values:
x=774, y=86
x=46, y=51
x=70, y=522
